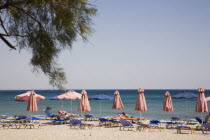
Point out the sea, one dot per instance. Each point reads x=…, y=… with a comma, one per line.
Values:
x=183, y=108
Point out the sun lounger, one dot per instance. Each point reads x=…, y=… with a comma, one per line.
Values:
x=175, y=119
x=199, y=126
x=182, y=128
x=3, y=117
x=21, y=122
x=198, y=120
x=126, y=124
x=172, y=125
x=142, y=127
x=75, y=122
x=32, y=125
x=2, y=124
x=114, y=122
x=21, y=125
x=41, y=117
x=205, y=127
x=190, y=121
x=31, y=119
x=61, y=121
x=10, y=125
x=154, y=124
x=91, y=117
x=104, y=121
x=88, y=117
x=20, y=119
x=27, y=120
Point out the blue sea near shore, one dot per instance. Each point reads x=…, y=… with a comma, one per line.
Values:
x=154, y=99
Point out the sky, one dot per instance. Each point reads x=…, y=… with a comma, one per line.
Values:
x=151, y=44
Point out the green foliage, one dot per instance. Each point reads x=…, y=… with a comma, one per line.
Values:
x=46, y=27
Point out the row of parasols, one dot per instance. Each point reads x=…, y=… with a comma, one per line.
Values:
x=84, y=105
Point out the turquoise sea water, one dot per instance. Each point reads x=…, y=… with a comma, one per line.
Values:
x=154, y=99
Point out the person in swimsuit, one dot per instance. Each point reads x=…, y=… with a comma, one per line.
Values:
x=63, y=114
x=207, y=120
x=126, y=117
x=66, y=114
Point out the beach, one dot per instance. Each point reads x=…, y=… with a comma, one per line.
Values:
x=154, y=100
x=63, y=132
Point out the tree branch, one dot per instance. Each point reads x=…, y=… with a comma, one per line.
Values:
x=7, y=4
x=7, y=42
x=28, y=14
x=16, y=35
x=2, y=24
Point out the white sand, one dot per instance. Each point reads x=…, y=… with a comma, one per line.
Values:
x=63, y=132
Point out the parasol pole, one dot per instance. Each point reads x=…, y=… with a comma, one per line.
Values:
x=140, y=117
x=71, y=106
x=62, y=104
x=116, y=111
x=202, y=117
x=100, y=108
x=186, y=109
x=27, y=114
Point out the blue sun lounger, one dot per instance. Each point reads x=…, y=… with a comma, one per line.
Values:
x=76, y=122
x=90, y=117
x=172, y=125
x=103, y=121
x=61, y=121
x=154, y=124
x=175, y=119
x=206, y=127
x=126, y=124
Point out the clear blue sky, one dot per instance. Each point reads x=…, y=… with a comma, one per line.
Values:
x=153, y=44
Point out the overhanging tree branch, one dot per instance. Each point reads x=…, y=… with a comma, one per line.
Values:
x=28, y=14
x=12, y=35
x=8, y=3
x=7, y=42
x=2, y=24
x=45, y=28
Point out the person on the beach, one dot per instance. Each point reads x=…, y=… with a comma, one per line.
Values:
x=49, y=113
x=66, y=114
x=207, y=120
x=126, y=117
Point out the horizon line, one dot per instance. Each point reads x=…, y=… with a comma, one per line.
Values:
x=109, y=89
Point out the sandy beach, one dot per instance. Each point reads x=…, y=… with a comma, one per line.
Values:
x=103, y=62
x=55, y=132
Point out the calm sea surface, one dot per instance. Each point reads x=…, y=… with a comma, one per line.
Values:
x=154, y=99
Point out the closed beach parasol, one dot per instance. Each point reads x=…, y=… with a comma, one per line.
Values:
x=117, y=103
x=141, y=104
x=167, y=103
x=84, y=104
x=201, y=104
x=32, y=99
x=185, y=95
x=70, y=95
x=32, y=104
x=100, y=97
